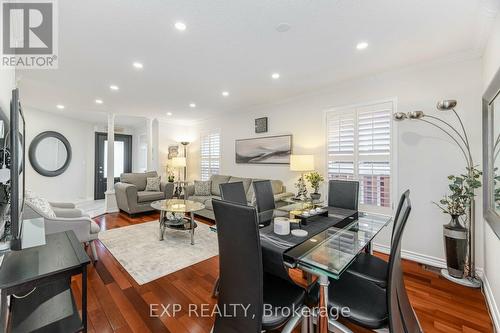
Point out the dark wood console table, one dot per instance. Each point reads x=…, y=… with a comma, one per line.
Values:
x=40, y=279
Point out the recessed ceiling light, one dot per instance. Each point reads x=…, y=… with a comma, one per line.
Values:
x=192, y=105
x=169, y=114
x=99, y=101
x=181, y=26
x=114, y=87
x=225, y=93
x=362, y=45
x=283, y=27
x=275, y=76
x=138, y=65
x=60, y=106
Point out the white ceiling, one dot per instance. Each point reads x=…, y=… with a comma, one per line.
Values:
x=233, y=45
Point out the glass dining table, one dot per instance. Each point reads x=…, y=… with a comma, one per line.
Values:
x=326, y=252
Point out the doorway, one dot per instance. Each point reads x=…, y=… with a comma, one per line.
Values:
x=123, y=160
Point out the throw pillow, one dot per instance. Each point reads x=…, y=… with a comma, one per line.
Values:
x=202, y=188
x=153, y=184
x=40, y=205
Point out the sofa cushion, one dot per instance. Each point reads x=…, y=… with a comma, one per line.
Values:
x=153, y=184
x=202, y=188
x=208, y=203
x=139, y=179
x=200, y=198
x=277, y=186
x=216, y=181
x=246, y=182
x=146, y=196
x=39, y=205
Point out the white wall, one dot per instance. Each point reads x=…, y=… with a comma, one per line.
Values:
x=425, y=157
x=171, y=134
x=491, y=63
x=76, y=183
x=7, y=83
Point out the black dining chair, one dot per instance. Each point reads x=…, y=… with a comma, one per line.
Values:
x=343, y=194
x=233, y=192
x=371, y=306
x=264, y=202
x=242, y=279
x=370, y=267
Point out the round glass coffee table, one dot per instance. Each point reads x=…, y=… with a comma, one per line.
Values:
x=177, y=219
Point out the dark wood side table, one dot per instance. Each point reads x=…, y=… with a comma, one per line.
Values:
x=40, y=279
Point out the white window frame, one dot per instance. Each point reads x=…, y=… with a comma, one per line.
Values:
x=394, y=174
x=205, y=133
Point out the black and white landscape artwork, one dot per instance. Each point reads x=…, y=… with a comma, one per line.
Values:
x=266, y=150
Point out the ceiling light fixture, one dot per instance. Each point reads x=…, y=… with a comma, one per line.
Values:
x=99, y=101
x=114, y=87
x=282, y=27
x=169, y=114
x=192, y=105
x=362, y=45
x=275, y=76
x=138, y=65
x=225, y=93
x=60, y=106
x=181, y=26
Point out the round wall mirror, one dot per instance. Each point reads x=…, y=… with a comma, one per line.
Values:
x=50, y=153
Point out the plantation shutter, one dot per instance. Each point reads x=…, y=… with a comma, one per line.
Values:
x=210, y=154
x=359, y=148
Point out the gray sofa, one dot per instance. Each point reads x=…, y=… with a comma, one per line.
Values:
x=131, y=196
x=279, y=192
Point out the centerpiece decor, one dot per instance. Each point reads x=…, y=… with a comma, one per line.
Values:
x=461, y=202
x=315, y=179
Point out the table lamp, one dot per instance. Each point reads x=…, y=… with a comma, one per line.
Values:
x=178, y=163
x=302, y=164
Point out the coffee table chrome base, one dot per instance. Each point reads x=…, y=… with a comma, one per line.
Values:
x=164, y=225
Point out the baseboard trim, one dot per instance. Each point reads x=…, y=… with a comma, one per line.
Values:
x=492, y=304
x=413, y=256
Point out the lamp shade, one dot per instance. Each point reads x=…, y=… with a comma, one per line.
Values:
x=178, y=162
x=301, y=163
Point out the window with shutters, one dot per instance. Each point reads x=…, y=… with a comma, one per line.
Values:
x=359, y=148
x=210, y=154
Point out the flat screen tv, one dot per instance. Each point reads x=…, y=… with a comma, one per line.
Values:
x=17, y=135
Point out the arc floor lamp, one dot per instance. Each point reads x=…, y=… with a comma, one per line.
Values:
x=460, y=137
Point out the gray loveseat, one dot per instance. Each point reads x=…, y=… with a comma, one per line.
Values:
x=279, y=192
x=131, y=195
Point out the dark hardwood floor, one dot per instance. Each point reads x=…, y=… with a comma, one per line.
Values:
x=116, y=303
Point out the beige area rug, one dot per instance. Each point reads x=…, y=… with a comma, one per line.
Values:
x=145, y=258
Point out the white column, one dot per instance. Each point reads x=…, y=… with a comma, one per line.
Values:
x=149, y=137
x=155, y=145
x=110, y=198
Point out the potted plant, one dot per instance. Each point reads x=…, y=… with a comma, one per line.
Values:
x=456, y=205
x=315, y=179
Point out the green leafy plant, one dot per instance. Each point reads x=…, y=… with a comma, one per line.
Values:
x=315, y=179
x=462, y=192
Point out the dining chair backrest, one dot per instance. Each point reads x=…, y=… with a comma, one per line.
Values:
x=264, y=199
x=233, y=192
x=343, y=194
x=402, y=202
x=402, y=318
x=240, y=265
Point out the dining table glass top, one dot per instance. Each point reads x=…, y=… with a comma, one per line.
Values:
x=331, y=251
x=177, y=205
